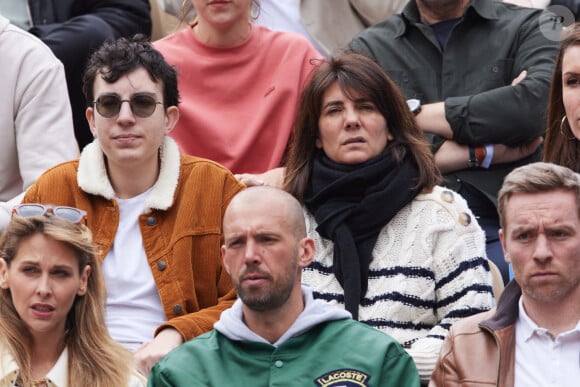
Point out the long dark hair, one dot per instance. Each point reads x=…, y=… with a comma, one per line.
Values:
x=560, y=145
x=355, y=75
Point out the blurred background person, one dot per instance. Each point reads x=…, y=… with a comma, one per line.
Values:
x=52, y=325
x=479, y=73
x=562, y=145
x=36, y=129
x=73, y=29
x=239, y=84
x=328, y=24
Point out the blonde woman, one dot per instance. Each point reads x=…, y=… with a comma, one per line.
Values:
x=52, y=328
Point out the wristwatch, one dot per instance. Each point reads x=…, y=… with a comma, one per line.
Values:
x=472, y=162
x=414, y=105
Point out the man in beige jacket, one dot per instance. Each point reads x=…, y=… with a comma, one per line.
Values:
x=532, y=337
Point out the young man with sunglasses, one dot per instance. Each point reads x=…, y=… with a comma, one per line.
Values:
x=155, y=214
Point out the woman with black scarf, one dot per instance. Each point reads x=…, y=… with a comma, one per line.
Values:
x=397, y=251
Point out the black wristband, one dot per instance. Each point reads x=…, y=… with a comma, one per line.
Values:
x=472, y=163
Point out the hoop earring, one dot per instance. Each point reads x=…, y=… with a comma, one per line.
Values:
x=562, y=129
x=255, y=10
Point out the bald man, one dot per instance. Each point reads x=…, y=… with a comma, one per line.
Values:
x=276, y=333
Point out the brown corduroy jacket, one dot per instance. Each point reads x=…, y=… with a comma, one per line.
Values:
x=181, y=227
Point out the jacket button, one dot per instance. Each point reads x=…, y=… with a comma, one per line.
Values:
x=447, y=196
x=464, y=219
x=161, y=265
x=279, y=363
x=177, y=309
x=151, y=221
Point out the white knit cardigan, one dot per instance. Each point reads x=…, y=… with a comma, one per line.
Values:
x=429, y=269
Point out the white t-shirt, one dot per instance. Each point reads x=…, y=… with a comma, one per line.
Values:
x=134, y=309
x=544, y=361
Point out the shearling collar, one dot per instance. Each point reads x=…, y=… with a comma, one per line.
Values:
x=92, y=175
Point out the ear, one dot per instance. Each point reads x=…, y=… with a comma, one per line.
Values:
x=4, y=280
x=318, y=143
x=390, y=135
x=171, y=118
x=90, y=114
x=502, y=239
x=86, y=273
x=225, y=263
x=306, y=253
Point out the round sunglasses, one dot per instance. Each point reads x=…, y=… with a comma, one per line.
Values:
x=142, y=105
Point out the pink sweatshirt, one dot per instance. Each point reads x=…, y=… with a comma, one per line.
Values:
x=238, y=104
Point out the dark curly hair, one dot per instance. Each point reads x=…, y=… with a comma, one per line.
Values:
x=115, y=59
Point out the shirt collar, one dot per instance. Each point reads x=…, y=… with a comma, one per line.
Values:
x=57, y=376
x=527, y=328
x=410, y=14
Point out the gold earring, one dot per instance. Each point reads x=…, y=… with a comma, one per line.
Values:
x=562, y=128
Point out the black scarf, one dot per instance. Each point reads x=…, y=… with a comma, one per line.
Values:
x=351, y=204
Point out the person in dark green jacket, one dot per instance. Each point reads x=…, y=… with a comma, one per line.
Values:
x=276, y=334
x=481, y=70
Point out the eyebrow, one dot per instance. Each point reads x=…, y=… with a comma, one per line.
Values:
x=568, y=73
x=37, y=263
x=341, y=102
x=555, y=226
x=113, y=94
x=333, y=103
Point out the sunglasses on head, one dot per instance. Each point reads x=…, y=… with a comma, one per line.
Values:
x=73, y=215
x=142, y=105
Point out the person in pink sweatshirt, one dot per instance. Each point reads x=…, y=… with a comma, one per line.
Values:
x=239, y=83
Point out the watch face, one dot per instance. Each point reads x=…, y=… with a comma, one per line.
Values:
x=414, y=105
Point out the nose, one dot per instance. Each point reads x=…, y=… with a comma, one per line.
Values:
x=43, y=286
x=352, y=120
x=125, y=113
x=251, y=253
x=542, y=250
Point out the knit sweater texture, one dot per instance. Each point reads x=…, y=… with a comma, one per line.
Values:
x=429, y=269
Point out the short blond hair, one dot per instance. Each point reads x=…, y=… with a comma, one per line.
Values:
x=536, y=178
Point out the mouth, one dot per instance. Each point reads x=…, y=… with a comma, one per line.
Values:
x=125, y=137
x=544, y=275
x=42, y=310
x=354, y=140
x=255, y=278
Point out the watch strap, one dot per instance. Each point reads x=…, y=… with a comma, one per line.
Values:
x=472, y=162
